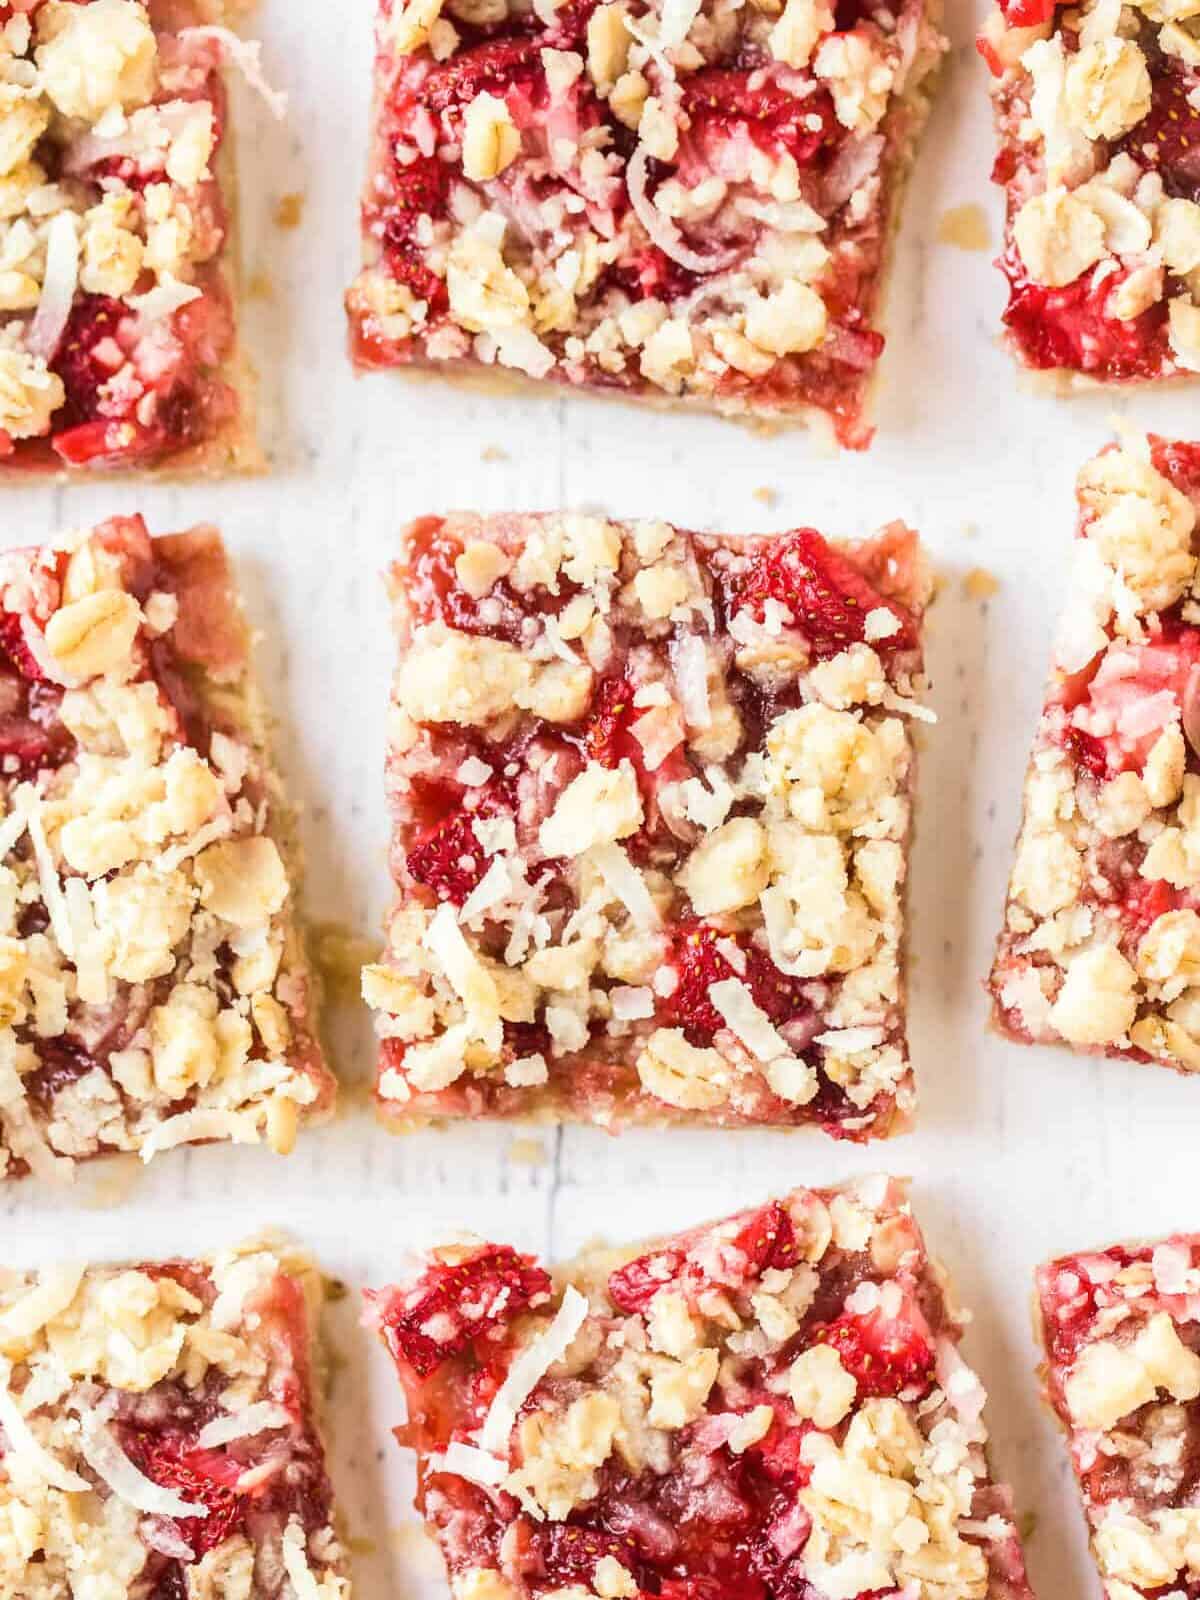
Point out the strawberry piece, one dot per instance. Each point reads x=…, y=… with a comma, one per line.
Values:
x=1168, y=138
x=15, y=647
x=606, y=735
x=1087, y=752
x=408, y=266
x=1068, y=327
x=452, y=1305
x=495, y=66
x=700, y=964
x=79, y=362
x=885, y=1358
x=568, y=1553
x=109, y=443
x=201, y=1476
x=448, y=857
x=825, y=592
x=765, y=1239
x=721, y=102
x=419, y=188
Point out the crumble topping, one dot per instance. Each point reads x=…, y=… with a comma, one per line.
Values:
x=651, y=793
x=1101, y=946
x=1098, y=108
x=114, y=306
x=771, y=1404
x=687, y=199
x=1124, y=1377
x=152, y=988
x=159, y=1435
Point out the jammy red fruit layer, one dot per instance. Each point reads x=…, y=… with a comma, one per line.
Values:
x=1098, y=118
x=1122, y=1374
x=155, y=992
x=1101, y=943
x=117, y=339
x=175, y=1400
x=772, y=1407
x=651, y=793
x=680, y=204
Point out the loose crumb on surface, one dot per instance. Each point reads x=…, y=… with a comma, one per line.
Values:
x=965, y=227
x=766, y=495
x=527, y=1153
x=289, y=209
x=1027, y=1524
x=260, y=287
x=980, y=584
x=341, y=954
x=493, y=452
x=111, y=1183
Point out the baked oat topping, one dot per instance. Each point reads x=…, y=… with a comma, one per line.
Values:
x=677, y=201
x=768, y=1408
x=158, y=1438
x=1123, y=1375
x=153, y=990
x=1101, y=944
x=116, y=321
x=651, y=793
x=1098, y=113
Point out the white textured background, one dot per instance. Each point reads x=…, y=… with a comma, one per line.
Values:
x=1020, y=1153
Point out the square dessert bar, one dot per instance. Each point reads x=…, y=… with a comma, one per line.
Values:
x=680, y=202
x=651, y=793
x=153, y=987
x=159, y=1436
x=1123, y=1376
x=1101, y=940
x=768, y=1407
x=117, y=340
x=1097, y=110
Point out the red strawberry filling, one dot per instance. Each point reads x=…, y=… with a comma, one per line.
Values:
x=723, y=103
x=699, y=961
x=1135, y=693
x=886, y=1358
x=1070, y=327
x=764, y=1239
x=453, y=1305
x=1167, y=140
x=826, y=594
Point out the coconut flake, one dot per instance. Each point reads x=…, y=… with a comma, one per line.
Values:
x=196, y=1127
x=662, y=232
x=24, y=1451
x=689, y=658
x=108, y=1461
x=465, y=1461
x=529, y=1368
x=493, y=887
x=473, y=772
x=676, y=21
x=164, y=300
x=264, y=1416
x=52, y=891
x=59, y=282
x=626, y=882
x=630, y=1004
x=748, y=1020
x=246, y=56
x=56, y=1288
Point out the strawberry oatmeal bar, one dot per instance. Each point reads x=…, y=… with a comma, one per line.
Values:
x=157, y=1433
x=1098, y=115
x=688, y=202
x=1101, y=943
x=772, y=1407
x=153, y=989
x=1123, y=1375
x=117, y=340
x=651, y=793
